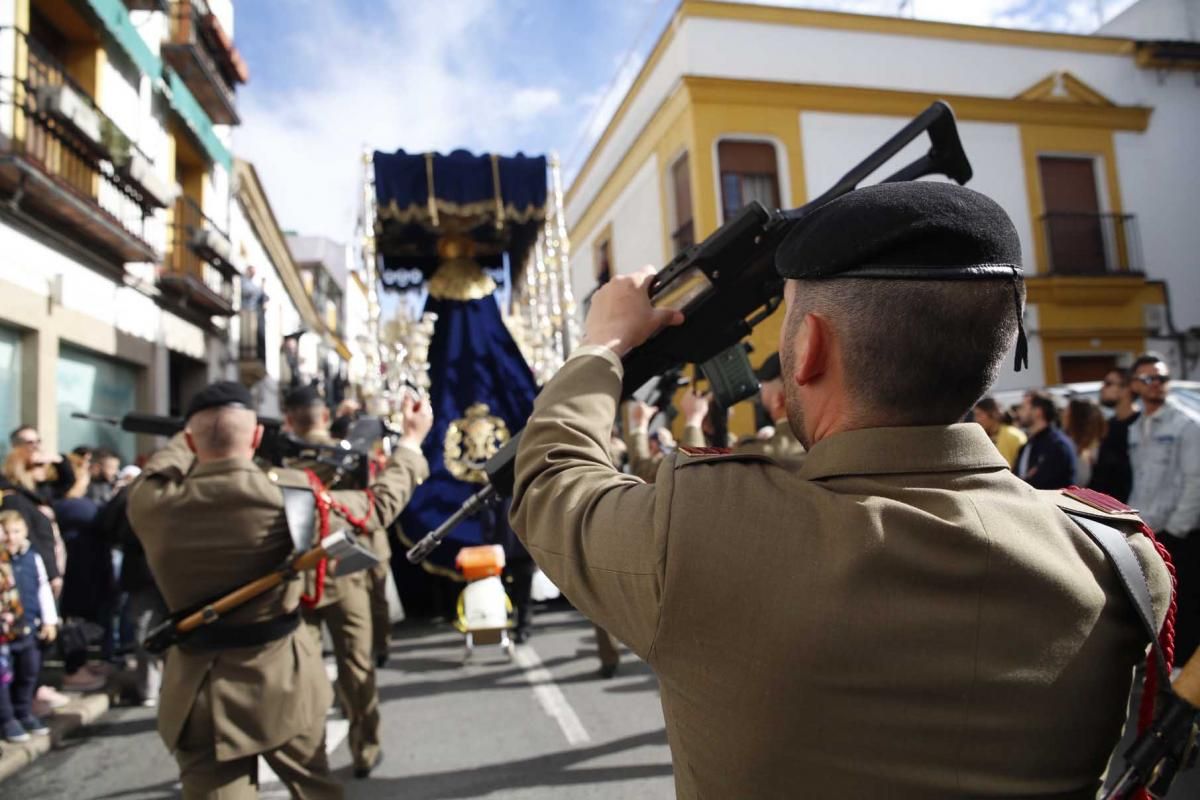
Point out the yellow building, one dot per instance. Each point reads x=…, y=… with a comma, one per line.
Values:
x=1083, y=139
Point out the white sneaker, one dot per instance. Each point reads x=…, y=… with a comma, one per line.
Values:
x=51, y=698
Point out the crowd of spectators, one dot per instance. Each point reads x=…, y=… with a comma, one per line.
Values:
x=75, y=592
x=1133, y=445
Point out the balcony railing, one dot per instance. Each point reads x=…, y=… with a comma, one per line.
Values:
x=66, y=160
x=198, y=268
x=1092, y=244
x=205, y=58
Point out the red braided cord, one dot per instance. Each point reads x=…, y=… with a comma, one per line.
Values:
x=1166, y=639
x=323, y=503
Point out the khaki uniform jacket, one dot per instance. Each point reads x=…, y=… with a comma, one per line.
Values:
x=643, y=463
x=376, y=537
x=783, y=446
x=900, y=617
x=209, y=528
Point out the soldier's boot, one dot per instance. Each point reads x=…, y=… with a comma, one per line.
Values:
x=610, y=657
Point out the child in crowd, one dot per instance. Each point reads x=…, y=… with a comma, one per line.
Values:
x=37, y=620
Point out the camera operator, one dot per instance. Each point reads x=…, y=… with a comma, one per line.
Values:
x=211, y=520
x=900, y=615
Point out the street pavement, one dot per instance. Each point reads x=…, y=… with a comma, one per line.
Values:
x=541, y=727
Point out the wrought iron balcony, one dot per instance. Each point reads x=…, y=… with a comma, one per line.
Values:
x=198, y=270
x=66, y=162
x=204, y=56
x=1092, y=244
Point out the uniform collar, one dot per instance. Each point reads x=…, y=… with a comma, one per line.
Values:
x=224, y=465
x=896, y=451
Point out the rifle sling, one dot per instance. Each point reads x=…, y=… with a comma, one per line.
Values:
x=1129, y=573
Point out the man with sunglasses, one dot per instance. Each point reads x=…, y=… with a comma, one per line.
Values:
x=1164, y=450
x=1113, y=473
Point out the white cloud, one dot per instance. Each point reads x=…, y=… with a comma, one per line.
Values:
x=416, y=75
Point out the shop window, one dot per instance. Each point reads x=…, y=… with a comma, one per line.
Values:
x=10, y=385
x=748, y=172
x=95, y=385
x=683, y=229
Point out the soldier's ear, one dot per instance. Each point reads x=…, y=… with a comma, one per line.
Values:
x=258, y=435
x=812, y=347
x=191, y=443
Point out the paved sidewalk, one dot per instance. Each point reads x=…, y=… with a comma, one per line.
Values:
x=82, y=710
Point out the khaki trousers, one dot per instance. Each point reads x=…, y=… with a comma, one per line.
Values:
x=381, y=621
x=608, y=648
x=348, y=619
x=301, y=762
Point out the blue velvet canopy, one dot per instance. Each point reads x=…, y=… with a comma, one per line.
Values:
x=499, y=202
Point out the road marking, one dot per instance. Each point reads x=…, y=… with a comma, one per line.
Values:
x=550, y=697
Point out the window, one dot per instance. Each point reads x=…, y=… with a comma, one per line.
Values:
x=96, y=385
x=602, y=259
x=683, y=231
x=10, y=384
x=1075, y=228
x=748, y=173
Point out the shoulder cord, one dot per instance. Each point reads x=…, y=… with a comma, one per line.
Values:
x=326, y=503
x=1166, y=640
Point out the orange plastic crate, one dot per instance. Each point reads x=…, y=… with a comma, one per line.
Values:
x=482, y=561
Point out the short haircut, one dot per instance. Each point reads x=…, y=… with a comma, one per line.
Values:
x=15, y=436
x=1149, y=357
x=1123, y=373
x=1045, y=403
x=9, y=517
x=102, y=453
x=916, y=352
x=83, y=451
x=305, y=418
x=223, y=429
x=988, y=405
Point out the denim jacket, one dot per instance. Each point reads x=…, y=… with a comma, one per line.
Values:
x=1164, y=451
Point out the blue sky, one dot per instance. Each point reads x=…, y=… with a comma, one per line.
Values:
x=330, y=76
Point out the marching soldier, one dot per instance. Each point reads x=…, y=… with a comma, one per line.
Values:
x=211, y=520
x=900, y=616
x=646, y=452
x=344, y=604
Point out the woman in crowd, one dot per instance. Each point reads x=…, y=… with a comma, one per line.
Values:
x=1083, y=423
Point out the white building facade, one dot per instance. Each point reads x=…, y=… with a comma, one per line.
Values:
x=1088, y=142
x=117, y=276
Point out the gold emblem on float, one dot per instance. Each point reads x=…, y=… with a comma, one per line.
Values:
x=471, y=441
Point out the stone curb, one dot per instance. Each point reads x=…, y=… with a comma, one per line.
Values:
x=83, y=710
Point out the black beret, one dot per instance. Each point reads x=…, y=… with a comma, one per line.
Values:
x=303, y=397
x=221, y=393
x=770, y=370
x=927, y=230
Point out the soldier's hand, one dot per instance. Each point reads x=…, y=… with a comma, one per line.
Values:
x=640, y=415
x=694, y=407
x=48, y=633
x=418, y=419
x=621, y=317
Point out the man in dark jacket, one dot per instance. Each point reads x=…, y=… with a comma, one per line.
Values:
x=1047, y=461
x=1113, y=474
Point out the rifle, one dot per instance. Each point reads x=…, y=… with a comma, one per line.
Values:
x=276, y=447
x=340, y=547
x=1171, y=742
x=725, y=285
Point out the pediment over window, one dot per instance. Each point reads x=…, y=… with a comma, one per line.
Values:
x=1063, y=87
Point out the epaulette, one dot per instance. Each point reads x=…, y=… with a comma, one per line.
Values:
x=285, y=477
x=1090, y=503
x=707, y=455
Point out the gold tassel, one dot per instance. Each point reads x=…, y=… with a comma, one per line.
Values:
x=433, y=212
x=499, y=200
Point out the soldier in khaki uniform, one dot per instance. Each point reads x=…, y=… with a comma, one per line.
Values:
x=643, y=458
x=250, y=684
x=898, y=617
x=345, y=604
